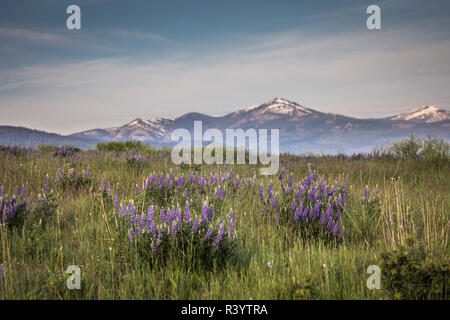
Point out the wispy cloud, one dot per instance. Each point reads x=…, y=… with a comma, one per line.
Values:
x=359, y=74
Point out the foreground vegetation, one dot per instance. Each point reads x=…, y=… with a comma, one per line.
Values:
x=140, y=227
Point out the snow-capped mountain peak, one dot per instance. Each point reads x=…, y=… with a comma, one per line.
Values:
x=283, y=106
x=427, y=114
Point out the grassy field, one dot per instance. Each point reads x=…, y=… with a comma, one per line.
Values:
x=395, y=216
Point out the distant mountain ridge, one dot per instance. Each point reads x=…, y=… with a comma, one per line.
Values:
x=301, y=129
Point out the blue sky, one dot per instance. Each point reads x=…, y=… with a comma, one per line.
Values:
x=164, y=58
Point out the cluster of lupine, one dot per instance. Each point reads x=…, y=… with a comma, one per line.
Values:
x=161, y=180
x=312, y=204
x=171, y=222
x=14, y=209
x=159, y=227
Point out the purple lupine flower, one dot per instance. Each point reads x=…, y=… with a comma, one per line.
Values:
x=187, y=213
x=293, y=203
x=208, y=233
x=335, y=228
x=323, y=218
x=231, y=222
x=269, y=190
x=108, y=189
x=274, y=202
x=219, y=236
x=261, y=192
x=210, y=213
x=297, y=214
x=102, y=185
x=150, y=212
x=2, y=271
x=317, y=209
x=220, y=193
x=137, y=188
x=195, y=225
x=174, y=228
x=204, y=214
x=330, y=222
x=291, y=181
x=366, y=193
x=88, y=170
x=281, y=176
x=116, y=199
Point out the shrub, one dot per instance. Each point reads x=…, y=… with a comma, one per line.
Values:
x=413, y=272
x=406, y=148
x=435, y=149
x=123, y=146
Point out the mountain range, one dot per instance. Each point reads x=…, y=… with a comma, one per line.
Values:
x=301, y=129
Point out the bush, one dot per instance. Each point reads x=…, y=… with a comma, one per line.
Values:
x=435, y=149
x=123, y=146
x=430, y=149
x=413, y=272
x=406, y=148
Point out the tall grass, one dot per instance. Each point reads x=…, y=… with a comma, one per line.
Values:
x=269, y=262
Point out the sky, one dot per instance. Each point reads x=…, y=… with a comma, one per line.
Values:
x=165, y=58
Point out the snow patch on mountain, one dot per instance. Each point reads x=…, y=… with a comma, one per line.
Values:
x=427, y=114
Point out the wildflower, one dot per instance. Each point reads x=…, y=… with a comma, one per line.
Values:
x=208, y=233
x=293, y=202
x=2, y=271
x=219, y=236
x=187, y=213
x=274, y=202
x=204, y=213
x=102, y=185
x=195, y=226
x=281, y=176
x=291, y=181
x=220, y=193
x=161, y=215
x=269, y=190
x=210, y=213
x=230, y=222
x=88, y=170
x=366, y=193
x=261, y=192
x=270, y=264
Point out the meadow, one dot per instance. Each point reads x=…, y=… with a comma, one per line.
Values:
x=140, y=227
